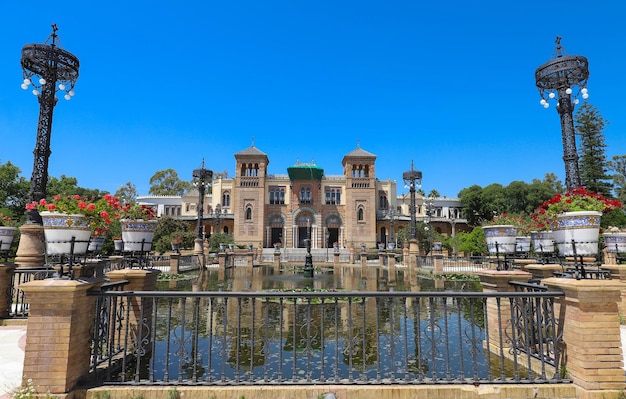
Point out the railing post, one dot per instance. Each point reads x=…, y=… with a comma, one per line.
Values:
x=58, y=343
x=391, y=259
x=174, y=263
x=499, y=311
x=6, y=276
x=438, y=264
x=221, y=260
x=363, y=260
x=591, y=334
x=250, y=256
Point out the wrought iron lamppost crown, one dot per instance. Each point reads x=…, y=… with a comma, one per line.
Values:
x=412, y=179
x=43, y=66
x=563, y=79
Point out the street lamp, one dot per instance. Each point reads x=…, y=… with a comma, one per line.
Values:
x=327, y=235
x=453, y=215
x=308, y=260
x=562, y=79
x=43, y=66
x=412, y=179
x=429, y=212
x=217, y=216
x=201, y=179
x=391, y=215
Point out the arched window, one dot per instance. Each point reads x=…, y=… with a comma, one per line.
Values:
x=384, y=203
x=360, y=214
x=225, y=229
x=305, y=195
x=248, y=213
x=226, y=198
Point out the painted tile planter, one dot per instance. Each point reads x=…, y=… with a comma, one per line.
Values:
x=137, y=235
x=503, y=235
x=59, y=228
x=95, y=244
x=6, y=237
x=615, y=242
x=583, y=227
x=543, y=241
x=522, y=244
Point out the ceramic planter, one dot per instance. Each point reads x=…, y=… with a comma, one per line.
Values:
x=522, y=244
x=60, y=228
x=576, y=233
x=615, y=242
x=500, y=238
x=6, y=237
x=543, y=241
x=95, y=244
x=137, y=235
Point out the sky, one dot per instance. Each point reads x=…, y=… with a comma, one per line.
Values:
x=448, y=85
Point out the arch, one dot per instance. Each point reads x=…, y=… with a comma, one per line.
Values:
x=360, y=213
x=226, y=198
x=248, y=212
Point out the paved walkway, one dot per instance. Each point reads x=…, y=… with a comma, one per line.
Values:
x=13, y=341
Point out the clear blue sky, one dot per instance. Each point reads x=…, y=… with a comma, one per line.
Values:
x=448, y=84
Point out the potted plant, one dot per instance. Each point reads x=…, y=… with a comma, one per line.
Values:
x=541, y=233
x=277, y=246
x=615, y=239
x=66, y=223
x=575, y=219
x=138, y=225
x=175, y=242
x=336, y=246
x=500, y=233
x=7, y=231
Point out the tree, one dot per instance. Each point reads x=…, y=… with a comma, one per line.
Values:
x=618, y=165
x=433, y=194
x=66, y=186
x=127, y=194
x=472, y=242
x=14, y=189
x=592, y=163
x=169, y=228
x=167, y=182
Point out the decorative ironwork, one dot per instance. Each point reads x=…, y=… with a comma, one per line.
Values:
x=557, y=79
x=52, y=65
x=412, y=179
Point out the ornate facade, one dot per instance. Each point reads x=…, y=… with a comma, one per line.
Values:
x=353, y=208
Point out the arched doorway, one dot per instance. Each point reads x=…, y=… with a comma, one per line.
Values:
x=333, y=230
x=276, y=225
x=304, y=223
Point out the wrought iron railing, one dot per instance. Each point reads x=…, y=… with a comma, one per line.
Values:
x=18, y=307
x=226, y=338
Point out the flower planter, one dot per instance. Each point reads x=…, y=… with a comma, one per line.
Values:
x=59, y=228
x=543, y=241
x=6, y=237
x=118, y=245
x=581, y=227
x=95, y=244
x=615, y=242
x=138, y=234
x=522, y=244
x=500, y=238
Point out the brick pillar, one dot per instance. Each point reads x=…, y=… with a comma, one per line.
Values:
x=363, y=259
x=438, y=264
x=498, y=281
x=277, y=258
x=174, y=263
x=591, y=332
x=250, y=256
x=618, y=272
x=352, y=254
x=336, y=258
x=391, y=259
x=221, y=260
x=542, y=271
x=6, y=274
x=381, y=258
x=57, y=353
x=414, y=250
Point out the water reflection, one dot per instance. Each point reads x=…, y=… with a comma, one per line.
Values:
x=258, y=338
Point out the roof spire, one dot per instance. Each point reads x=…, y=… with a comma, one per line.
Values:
x=358, y=143
x=252, y=141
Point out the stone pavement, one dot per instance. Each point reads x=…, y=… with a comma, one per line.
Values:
x=12, y=343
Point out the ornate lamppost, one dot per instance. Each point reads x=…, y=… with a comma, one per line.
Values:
x=562, y=79
x=217, y=216
x=43, y=66
x=391, y=215
x=308, y=260
x=201, y=179
x=412, y=179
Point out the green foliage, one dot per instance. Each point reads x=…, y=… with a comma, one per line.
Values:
x=105, y=395
x=170, y=228
x=167, y=182
x=173, y=393
x=29, y=392
x=127, y=194
x=13, y=190
x=618, y=165
x=592, y=163
x=220, y=238
x=472, y=242
x=614, y=217
x=66, y=186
